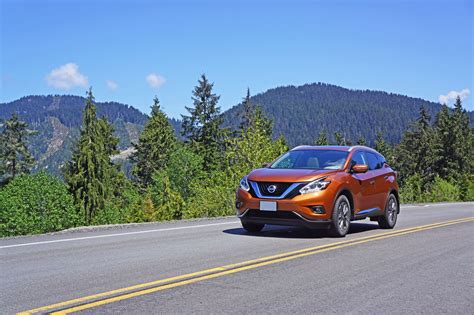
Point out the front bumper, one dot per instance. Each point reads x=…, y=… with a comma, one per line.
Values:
x=293, y=211
x=281, y=218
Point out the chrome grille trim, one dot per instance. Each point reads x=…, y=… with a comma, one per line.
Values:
x=256, y=189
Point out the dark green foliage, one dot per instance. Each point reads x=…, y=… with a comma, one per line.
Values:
x=32, y=204
x=90, y=175
x=384, y=148
x=168, y=203
x=154, y=146
x=322, y=138
x=247, y=112
x=15, y=159
x=202, y=128
x=415, y=154
x=361, y=141
x=300, y=113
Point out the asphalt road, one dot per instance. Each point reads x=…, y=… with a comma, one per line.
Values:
x=428, y=269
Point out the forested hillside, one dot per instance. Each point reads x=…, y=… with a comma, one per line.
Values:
x=57, y=119
x=300, y=113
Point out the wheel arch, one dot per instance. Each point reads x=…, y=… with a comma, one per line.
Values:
x=346, y=192
x=395, y=193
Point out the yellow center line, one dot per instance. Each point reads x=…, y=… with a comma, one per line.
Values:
x=168, y=283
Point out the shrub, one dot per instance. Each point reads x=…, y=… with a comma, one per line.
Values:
x=442, y=190
x=412, y=190
x=39, y=203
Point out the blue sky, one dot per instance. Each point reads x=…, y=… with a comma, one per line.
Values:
x=130, y=51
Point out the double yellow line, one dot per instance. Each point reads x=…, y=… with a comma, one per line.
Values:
x=95, y=300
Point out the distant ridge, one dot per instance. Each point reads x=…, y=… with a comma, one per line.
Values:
x=299, y=114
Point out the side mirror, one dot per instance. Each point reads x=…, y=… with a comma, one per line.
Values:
x=360, y=168
x=265, y=165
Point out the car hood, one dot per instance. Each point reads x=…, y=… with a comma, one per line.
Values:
x=287, y=175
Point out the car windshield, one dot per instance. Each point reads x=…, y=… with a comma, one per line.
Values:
x=312, y=159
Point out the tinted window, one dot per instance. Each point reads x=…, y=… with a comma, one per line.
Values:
x=358, y=158
x=373, y=161
x=312, y=159
x=381, y=159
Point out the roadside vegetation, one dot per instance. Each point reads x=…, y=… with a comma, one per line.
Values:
x=174, y=179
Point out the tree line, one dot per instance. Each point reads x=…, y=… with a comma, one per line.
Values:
x=174, y=179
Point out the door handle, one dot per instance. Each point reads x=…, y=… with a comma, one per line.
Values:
x=372, y=182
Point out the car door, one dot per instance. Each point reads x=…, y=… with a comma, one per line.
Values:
x=364, y=194
x=378, y=180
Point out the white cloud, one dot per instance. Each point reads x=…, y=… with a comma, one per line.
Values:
x=452, y=95
x=155, y=80
x=66, y=77
x=111, y=85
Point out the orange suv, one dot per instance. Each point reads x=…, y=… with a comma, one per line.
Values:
x=320, y=187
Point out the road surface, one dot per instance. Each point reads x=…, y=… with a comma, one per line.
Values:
x=424, y=265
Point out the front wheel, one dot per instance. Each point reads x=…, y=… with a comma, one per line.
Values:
x=341, y=217
x=252, y=227
x=389, y=218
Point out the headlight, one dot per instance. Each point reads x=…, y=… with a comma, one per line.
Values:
x=317, y=185
x=244, y=184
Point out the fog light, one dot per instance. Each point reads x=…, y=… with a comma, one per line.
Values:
x=318, y=209
x=238, y=204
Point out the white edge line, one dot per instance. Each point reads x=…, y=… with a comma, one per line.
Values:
x=116, y=234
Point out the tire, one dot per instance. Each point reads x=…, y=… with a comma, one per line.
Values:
x=389, y=218
x=341, y=217
x=252, y=227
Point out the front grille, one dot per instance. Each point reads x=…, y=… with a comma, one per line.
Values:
x=254, y=213
x=279, y=188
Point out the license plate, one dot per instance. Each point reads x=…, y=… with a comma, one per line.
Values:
x=268, y=205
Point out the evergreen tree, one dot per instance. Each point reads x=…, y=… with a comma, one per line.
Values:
x=361, y=141
x=444, y=142
x=15, y=159
x=322, y=138
x=90, y=173
x=415, y=154
x=384, y=148
x=254, y=147
x=248, y=109
x=341, y=139
x=463, y=142
x=154, y=146
x=202, y=126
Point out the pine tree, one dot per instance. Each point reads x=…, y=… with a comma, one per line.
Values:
x=463, y=142
x=248, y=109
x=361, y=141
x=416, y=154
x=444, y=142
x=384, y=148
x=90, y=173
x=154, y=146
x=340, y=139
x=322, y=138
x=254, y=146
x=202, y=127
x=15, y=159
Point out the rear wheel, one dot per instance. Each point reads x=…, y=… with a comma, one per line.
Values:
x=389, y=218
x=252, y=227
x=341, y=217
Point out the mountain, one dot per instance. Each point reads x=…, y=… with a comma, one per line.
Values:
x=299, y=113
x=57, y=120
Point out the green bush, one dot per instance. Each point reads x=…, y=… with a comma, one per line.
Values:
x=168, y=203
x=214, y=196
x=39, y=203
x=442, y=190
x=412, y=190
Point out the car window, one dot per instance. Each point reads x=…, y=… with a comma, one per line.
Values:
x=373, y=161
x=312, y=159
x=358, y=159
